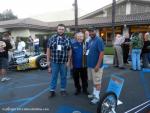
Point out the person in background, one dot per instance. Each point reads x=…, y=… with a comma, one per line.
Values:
x=5, y=46
x=30, y=43
x=126, y=48
x=87, y=39
x=95, y=54
x=45, y=40
x=36, y=43
x=118, y=57
x=58, y=58
x=21, y=45
x=136, y=46
x=79, y=71
x=146, y=51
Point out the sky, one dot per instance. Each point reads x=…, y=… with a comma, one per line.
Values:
x=29, y=8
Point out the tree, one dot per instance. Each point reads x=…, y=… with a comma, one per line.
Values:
x=7, y=15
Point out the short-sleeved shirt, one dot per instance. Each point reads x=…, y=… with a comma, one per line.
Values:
x=96, y=46
x=77, y=54
x=21, y=46
x=5, y=45
x=59, y=56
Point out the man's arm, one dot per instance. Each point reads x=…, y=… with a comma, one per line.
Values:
x=48, y=53
x=48, y=56
x=101, y=55
x=69, y=57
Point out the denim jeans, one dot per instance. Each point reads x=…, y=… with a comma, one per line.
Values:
x=56, y=69
x=37, y=49
x=136, y=64
x=146, y=59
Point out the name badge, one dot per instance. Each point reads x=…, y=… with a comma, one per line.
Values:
x=59, y=47
x=87, y=52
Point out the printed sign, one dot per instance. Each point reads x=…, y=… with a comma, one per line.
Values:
x=115, y=85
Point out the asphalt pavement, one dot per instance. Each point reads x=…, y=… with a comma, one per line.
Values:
x=28, y=92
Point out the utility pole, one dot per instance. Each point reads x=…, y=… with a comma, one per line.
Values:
x=113, y=18
x=76, y=15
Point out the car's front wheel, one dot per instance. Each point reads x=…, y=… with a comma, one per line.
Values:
x=108, y=103
x=41, y=62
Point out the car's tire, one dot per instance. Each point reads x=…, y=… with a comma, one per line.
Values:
x=41, y=62
x=105, y=98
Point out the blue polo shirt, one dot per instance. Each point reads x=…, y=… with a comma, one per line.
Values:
x=96, y=46
x=77, y=54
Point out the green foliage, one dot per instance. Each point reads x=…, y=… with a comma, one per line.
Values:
x=7, y=15
x=109, y=51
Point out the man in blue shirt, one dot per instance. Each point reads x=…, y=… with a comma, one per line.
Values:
x=79, y=70
x=95, y=55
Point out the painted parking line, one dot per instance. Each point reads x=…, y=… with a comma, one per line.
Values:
x=145, y=82
x=2, y=87
x=14, y=101
x=31, y=85
x=30, y=100
x=70, y=109
x=143, y=104
x=143, y=108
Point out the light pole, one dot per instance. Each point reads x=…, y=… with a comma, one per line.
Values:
x=113, y=17
x=76, y=14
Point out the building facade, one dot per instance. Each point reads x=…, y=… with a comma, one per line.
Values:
x=131, y=16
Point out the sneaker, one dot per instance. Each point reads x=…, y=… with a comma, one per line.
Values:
x=63, y=93
x=7, y=78
x=52, y=94
x=94, y=101
x=3, y=79
x=90, y=96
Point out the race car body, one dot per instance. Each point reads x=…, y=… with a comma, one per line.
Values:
x=21, y=61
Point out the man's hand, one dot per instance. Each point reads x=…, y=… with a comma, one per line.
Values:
x=68, y=64
x=96, y=68
x=49, y=70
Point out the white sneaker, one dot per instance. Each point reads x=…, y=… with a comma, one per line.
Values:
x=5, y=79
x=95, y=101
x=90, y=96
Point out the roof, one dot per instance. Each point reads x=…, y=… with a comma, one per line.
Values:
x=110, y=5
x=134, y=19
x=24, y=23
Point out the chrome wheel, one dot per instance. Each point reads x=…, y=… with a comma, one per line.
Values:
x=109, y=104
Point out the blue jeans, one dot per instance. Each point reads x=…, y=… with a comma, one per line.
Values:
x=136, y=64
x=146, y=59
x=37, y=49
x=56, y=69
